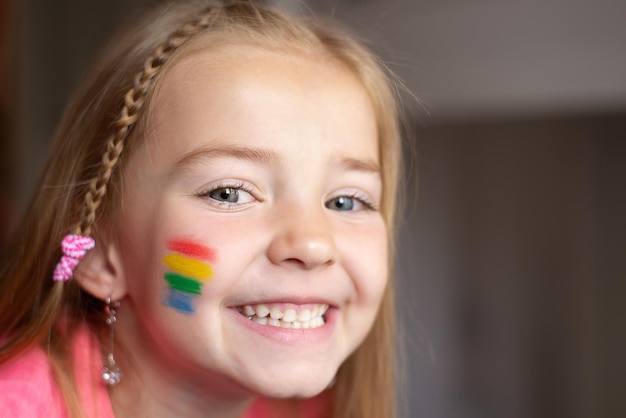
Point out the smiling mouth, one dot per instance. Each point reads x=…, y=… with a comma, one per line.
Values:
x=311, y=316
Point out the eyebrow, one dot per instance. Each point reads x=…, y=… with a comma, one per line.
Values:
x=356, y=164
x=254, y=155
x=264, y=156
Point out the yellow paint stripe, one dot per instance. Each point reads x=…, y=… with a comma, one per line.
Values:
x=188, y=266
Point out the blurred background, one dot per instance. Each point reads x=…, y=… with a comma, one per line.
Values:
x=512, y=262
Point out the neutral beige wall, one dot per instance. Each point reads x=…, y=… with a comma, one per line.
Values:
x=512, y=269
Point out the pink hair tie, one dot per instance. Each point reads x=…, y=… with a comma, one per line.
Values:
x=74, y=249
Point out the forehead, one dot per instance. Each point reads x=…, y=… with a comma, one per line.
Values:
x=239, y=62
x=239, y=88
x=239, y=66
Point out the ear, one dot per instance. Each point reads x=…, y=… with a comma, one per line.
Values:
x=100, y=272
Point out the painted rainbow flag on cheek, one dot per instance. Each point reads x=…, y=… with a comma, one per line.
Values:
x=189, y=269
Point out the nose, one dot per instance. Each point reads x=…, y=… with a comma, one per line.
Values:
x=303, y=240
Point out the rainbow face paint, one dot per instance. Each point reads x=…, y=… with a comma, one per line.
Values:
x=189, y=269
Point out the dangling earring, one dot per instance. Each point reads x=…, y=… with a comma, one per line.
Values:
x=111, y=373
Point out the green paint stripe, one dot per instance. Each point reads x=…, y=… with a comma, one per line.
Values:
x=183, y=284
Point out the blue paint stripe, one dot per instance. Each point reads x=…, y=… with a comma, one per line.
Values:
x=182, y=302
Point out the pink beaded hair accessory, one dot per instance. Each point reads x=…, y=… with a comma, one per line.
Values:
x=74, y=249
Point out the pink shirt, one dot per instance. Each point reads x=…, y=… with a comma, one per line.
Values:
x=28, y=387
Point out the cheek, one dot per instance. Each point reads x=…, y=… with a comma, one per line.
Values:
x=189, y=271
x=369, y=264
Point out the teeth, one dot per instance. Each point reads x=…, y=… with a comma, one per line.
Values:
x=289, y=318
x=258, y=320
x=290, y=315
x=304, y=315
x=262, y=310
x=273, y=322
x=275, y=313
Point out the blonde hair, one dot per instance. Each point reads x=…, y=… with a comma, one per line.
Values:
x=102, y=126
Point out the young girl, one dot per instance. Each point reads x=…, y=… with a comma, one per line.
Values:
x=223, y=189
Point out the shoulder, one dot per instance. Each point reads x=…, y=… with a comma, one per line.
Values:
x=28, y=388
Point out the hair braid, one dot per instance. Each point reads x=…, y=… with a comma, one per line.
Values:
x=134, y=101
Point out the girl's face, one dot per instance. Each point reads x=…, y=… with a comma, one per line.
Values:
x=252, y=247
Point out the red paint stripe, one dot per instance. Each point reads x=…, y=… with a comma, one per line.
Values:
x=191, y=249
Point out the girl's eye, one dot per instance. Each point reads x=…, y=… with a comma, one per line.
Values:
x=341, y=203
x=225, y=194
x=228, y=196
x=348, y=203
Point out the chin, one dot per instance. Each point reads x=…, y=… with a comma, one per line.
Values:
x=307, y=390
x=302, y=385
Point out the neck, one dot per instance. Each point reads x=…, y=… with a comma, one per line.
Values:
x=146, y=392
x=157, y=401
x=151, y=387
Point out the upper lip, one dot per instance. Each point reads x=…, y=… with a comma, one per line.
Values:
x=295, y=300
